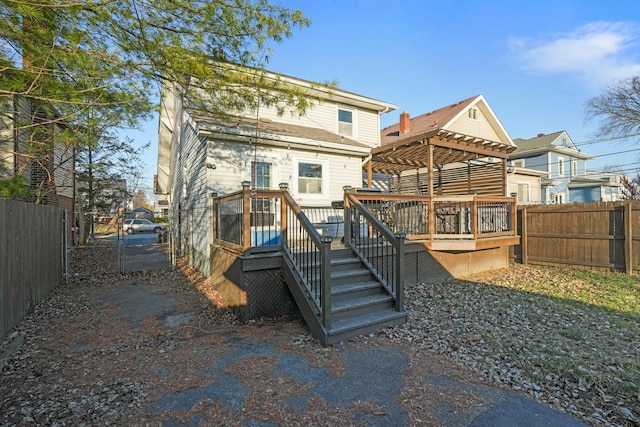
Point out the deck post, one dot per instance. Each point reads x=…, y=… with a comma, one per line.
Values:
x=325, y=271
x=347, y=216
x=399, y=267
x=246, y=215
x=283, y=213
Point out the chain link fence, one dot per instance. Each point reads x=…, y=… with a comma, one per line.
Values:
x=141, y=245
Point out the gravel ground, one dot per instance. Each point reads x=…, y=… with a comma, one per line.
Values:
x=569, y=356
x=579, y=358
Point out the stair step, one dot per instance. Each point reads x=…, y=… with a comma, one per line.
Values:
x=364, y=324
x=352, y=275
x=352, y=290
x=338, y=264
x=355, y=307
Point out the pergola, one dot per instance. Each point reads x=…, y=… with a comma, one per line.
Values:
x=434, y=149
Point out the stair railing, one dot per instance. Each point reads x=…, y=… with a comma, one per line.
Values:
x=310, y=254
x=380, y=249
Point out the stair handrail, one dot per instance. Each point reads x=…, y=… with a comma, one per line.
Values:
x=307, y=249
x=373, y=242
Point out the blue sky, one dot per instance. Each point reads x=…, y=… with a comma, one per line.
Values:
x=536, y=63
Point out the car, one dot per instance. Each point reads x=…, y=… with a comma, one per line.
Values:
x=131, y=226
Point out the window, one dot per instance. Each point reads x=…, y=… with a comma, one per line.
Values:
x=560, y=166
x=309, y=178
x=523, y=192
x=262, y=174
x=473, y=113
x=574, y=168
x=517, y=163
x=558, y=198
x=345, y=122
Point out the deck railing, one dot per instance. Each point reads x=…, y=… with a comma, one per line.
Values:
x=380, y=248
x=442, y=217
x=262, y=218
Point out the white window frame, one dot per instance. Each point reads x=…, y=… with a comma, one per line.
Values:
x=325, y=177
x=473, y=114
x=262, y=205
x=523, y=196
x=517, y=163
x=353, y=121
x=560, y=166
x=574, y=168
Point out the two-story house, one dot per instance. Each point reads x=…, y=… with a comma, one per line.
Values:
x=316, y=155
x=565, y=166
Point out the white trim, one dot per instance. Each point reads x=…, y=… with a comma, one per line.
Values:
x=274, y=161
x=325, y=177
x=528, y=191
x=354, y=121
x=561, y=168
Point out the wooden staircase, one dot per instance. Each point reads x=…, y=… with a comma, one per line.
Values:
x=360, y=304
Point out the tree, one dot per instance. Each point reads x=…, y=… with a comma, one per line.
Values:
x=618, y=107
x=106, y=59
x=630, y=188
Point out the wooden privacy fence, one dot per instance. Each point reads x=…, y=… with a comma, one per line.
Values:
x=599, y=236
x=32, y=258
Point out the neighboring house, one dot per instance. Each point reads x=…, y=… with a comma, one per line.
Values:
x=31, y=147
x=596, y=187
x=527, y=185
x=140, y=213
x=316, y=155
x=566, y=169
x=478, y=172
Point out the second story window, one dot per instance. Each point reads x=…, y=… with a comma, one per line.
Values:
x=560, y=166
x=345, y=122
x=574, y=168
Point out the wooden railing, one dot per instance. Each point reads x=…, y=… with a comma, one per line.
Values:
x=259, y=218
x=247, y=218
x=443, y=217
x=379, y=248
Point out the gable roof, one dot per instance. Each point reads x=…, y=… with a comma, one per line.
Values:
x=544, y=143
x=444, y=118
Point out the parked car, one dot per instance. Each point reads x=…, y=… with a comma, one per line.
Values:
x=131, y=226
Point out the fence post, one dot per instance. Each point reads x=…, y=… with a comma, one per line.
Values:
x=65, y=246
x=628, y=238
x=246, y=215
x=283, y=214
x=523, y=237
x=399, y=267
x=325, y=266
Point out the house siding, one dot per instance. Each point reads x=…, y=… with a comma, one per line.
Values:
x=324, y=115
x=584, y=194
x=534, y=187
x=480, y=128
x=233, y=165
x=191, y=216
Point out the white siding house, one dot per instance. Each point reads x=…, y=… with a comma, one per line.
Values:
x=316, y=155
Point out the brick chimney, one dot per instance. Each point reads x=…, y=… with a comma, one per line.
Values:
x=405, y=122
x=540, y=134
